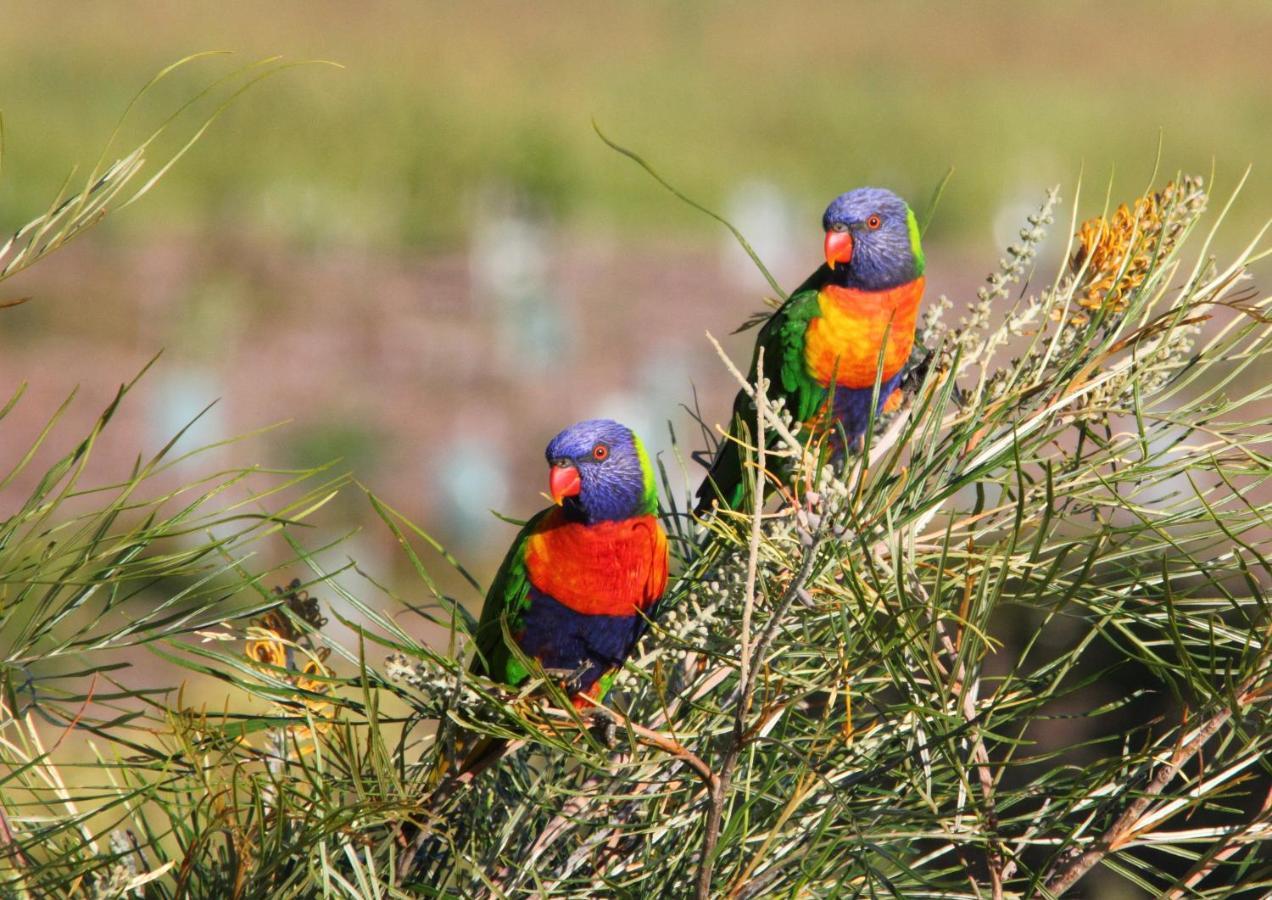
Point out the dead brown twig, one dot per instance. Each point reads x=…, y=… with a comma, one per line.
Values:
x=658, y=740
x=1067, y=870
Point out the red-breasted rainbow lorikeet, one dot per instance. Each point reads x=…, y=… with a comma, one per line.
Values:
x=832, y=329
x=579, y=579
x=575, y=587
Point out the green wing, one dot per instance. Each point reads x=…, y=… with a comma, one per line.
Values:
x=782, y=338
x=784, y=365
x=506, y=601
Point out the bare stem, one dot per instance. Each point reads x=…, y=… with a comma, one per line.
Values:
x=1066, y=872
x=736, y=745
x=720, y=787
x=753, y=550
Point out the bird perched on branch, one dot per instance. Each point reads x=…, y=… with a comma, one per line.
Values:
x=577, y=584
x=579, y=579
x=823, y=346
x=572, y=593
x=575, y=588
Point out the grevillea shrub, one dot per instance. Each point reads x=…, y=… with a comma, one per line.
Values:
x=1019, y=646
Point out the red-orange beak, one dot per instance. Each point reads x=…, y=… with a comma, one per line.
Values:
x=838, y=248
x=564, y=481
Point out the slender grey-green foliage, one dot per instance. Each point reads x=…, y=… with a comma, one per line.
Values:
x=1019, y=646
x=94, y=574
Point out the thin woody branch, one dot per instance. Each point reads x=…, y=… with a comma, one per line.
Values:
x=1220, y=853
x=1066, y=872
x=720, y=786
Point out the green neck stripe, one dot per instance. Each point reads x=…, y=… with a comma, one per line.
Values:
x=647, y=470
x=916, y=246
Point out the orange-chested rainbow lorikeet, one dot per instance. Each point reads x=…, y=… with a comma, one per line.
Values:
x=580, y=578
x=832, y=329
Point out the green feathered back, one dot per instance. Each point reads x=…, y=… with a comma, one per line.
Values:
x=782, y=338
x=508, y=599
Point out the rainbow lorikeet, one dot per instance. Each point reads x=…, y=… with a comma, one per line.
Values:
x=581, y=577
x=573, y=591
x=830, y=332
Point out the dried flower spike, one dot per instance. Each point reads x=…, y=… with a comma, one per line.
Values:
x=1115, y=255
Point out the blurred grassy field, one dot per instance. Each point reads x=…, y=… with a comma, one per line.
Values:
x=437, y=99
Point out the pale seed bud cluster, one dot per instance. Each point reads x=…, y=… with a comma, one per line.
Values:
x=435, y=681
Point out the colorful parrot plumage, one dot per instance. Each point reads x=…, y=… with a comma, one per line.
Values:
x=831, y=331
x=577, y=584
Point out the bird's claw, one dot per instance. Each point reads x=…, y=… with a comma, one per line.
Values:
x=570, y=680
x=605, y=730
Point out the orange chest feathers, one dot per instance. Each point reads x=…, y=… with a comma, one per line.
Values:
x=608, y=568
x=843, y=340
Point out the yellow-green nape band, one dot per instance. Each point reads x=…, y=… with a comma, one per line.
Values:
x=916, y=245
x=647, y=472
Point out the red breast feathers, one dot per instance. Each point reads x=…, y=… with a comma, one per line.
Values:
x=613, y=568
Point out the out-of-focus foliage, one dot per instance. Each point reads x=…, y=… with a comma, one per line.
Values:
x=93, y=572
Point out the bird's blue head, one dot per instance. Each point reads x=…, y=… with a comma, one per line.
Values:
x=872, y=240
x=598, y=471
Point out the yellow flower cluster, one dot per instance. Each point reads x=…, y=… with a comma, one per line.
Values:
x=278, y=643
x=313, y=680
x=271, y=650
x=267, y=652
x=1118, y=252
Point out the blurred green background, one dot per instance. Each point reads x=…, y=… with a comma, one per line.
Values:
x=436, y=99
x=428, y=261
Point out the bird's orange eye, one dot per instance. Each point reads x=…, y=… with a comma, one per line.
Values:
x=600, y=452
x=873, y=223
